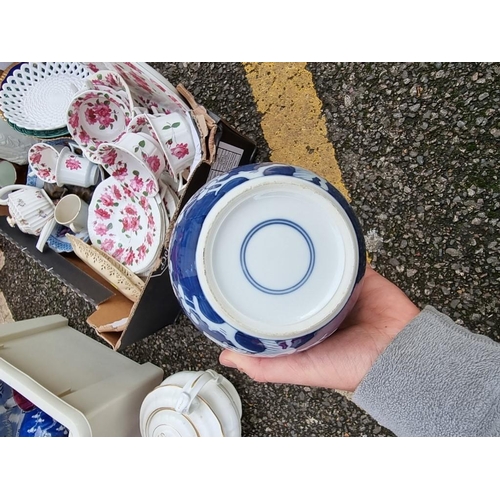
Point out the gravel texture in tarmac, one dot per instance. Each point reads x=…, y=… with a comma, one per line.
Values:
x=418, y=148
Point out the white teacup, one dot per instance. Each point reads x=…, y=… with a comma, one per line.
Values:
x=43, y=158
x=202, y=403
x=75, y=170
x=72, y=212
x=145, y=147
x=174, y=135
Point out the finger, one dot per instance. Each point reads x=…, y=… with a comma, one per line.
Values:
x=297, y=368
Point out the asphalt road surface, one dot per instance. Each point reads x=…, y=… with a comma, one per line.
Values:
x=417, y=148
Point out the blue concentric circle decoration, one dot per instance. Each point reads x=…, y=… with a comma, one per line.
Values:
x=243, y=261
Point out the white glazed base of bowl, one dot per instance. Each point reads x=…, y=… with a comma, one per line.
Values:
x=279, y=257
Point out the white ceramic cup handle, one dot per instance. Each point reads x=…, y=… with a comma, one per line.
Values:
x=138, y=110
x=44, y=235
x=8, y=189
x=191, y=390
x=76, y=229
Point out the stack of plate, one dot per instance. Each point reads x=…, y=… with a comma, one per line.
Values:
x=34, y=97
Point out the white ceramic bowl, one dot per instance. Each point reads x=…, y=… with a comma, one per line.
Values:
x=36, y=96
x=267, y=260
x=96, y=117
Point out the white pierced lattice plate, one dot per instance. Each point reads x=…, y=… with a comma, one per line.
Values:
x=37, y=95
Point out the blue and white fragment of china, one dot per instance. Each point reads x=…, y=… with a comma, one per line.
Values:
x=267, y=259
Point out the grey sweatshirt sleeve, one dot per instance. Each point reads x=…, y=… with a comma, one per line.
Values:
x=435, y=379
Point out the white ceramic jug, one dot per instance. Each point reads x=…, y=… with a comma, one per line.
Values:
x=31, y=210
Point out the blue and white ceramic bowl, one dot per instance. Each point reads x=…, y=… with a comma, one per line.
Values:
x=267, y=260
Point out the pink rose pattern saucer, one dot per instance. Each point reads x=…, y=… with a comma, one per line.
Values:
x=125, y=224
x=42, y=160
x=130, y=171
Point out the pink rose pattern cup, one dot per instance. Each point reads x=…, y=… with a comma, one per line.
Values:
x=75, y=170
x=42, y=159
x=176, y=139
x=110, y=81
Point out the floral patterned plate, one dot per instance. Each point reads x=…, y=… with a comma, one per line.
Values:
x=126, y=225
x=148, y=87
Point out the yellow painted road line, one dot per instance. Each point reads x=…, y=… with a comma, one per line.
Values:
x=292, y=118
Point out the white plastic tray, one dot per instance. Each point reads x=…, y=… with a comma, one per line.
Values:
x=89, y=388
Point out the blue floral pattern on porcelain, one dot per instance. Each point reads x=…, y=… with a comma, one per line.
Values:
x=37, y=423
x=184, y=275
x=15, y=422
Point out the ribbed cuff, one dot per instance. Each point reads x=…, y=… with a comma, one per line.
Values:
x=435, y=379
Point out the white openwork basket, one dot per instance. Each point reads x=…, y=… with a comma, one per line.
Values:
x=37, y=95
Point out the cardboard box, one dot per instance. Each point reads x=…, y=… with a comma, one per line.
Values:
x=117, y=320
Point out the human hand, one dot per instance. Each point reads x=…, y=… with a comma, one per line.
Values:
x=344, y=358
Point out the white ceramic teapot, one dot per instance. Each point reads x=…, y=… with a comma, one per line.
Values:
x=31, y=210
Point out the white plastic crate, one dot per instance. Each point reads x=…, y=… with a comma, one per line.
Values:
x=89, y=388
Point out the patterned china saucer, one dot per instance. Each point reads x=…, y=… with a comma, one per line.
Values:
x=126, y=225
